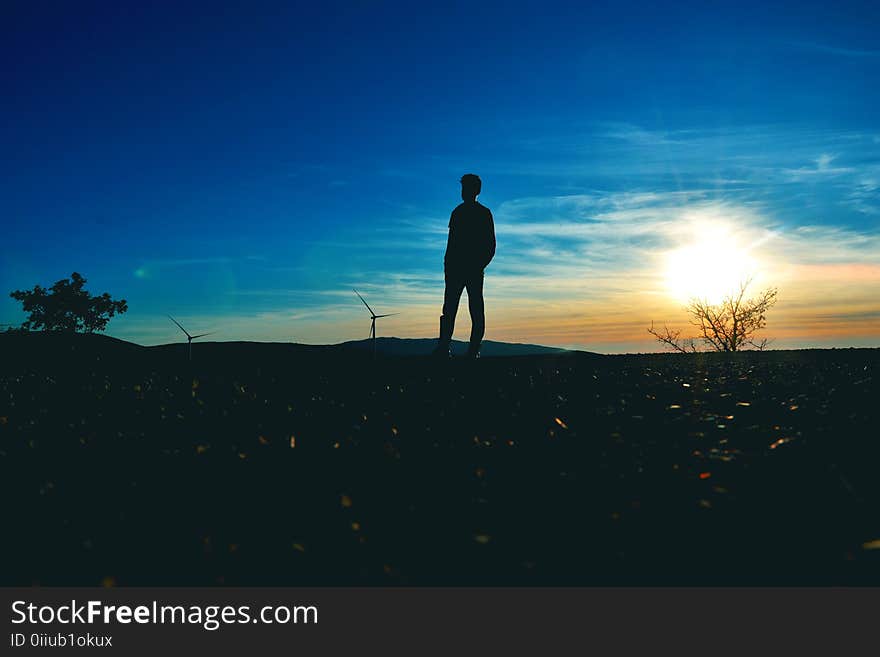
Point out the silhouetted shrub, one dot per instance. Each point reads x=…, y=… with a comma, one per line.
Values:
x=66, y=306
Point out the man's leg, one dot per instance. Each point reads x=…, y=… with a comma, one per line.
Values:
x=451, y=298
x=477, y=310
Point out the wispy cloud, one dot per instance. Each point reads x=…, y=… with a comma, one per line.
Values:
x=836, y=50
x=151, y=268
x=822, y=168
x=639, y=136
x=865, y=193
x=585, y=267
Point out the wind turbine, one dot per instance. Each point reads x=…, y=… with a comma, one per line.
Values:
x=373, y=318
x=190, y=338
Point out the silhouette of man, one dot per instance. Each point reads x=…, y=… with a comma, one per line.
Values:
x=469, y=248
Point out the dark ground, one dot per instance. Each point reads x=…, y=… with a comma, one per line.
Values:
x=285, y=465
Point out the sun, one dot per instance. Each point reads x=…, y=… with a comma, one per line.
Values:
x=710, y=267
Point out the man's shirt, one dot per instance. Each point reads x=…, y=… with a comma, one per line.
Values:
x=471, y=243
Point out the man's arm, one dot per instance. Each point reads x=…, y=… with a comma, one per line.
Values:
x=449, y=238
x=490, y=238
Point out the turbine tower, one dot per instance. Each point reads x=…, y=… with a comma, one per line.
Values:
x=373, y=318
x=189, y=338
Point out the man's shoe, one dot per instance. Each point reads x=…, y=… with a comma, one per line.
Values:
x=444, y=342
x=442, y=351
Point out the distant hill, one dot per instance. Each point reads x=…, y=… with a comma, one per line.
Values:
x=41, y=347
x=38, y=348
x=424, y=346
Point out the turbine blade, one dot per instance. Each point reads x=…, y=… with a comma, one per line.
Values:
x=201, y=335
x=388, y=315
x=179, y=326
x=365, y=303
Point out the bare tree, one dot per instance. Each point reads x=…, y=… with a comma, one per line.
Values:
x=730, y=325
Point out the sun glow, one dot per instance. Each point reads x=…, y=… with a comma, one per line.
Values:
x=710, y=267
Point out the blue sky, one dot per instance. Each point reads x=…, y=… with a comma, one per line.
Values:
x=244, y=167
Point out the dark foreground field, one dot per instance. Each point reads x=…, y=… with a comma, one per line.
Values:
x=277, y=464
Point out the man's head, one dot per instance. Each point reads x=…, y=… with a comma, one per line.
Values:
x=470, y=187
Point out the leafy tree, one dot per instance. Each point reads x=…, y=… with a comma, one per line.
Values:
x=730, y=325
x=66, y=306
